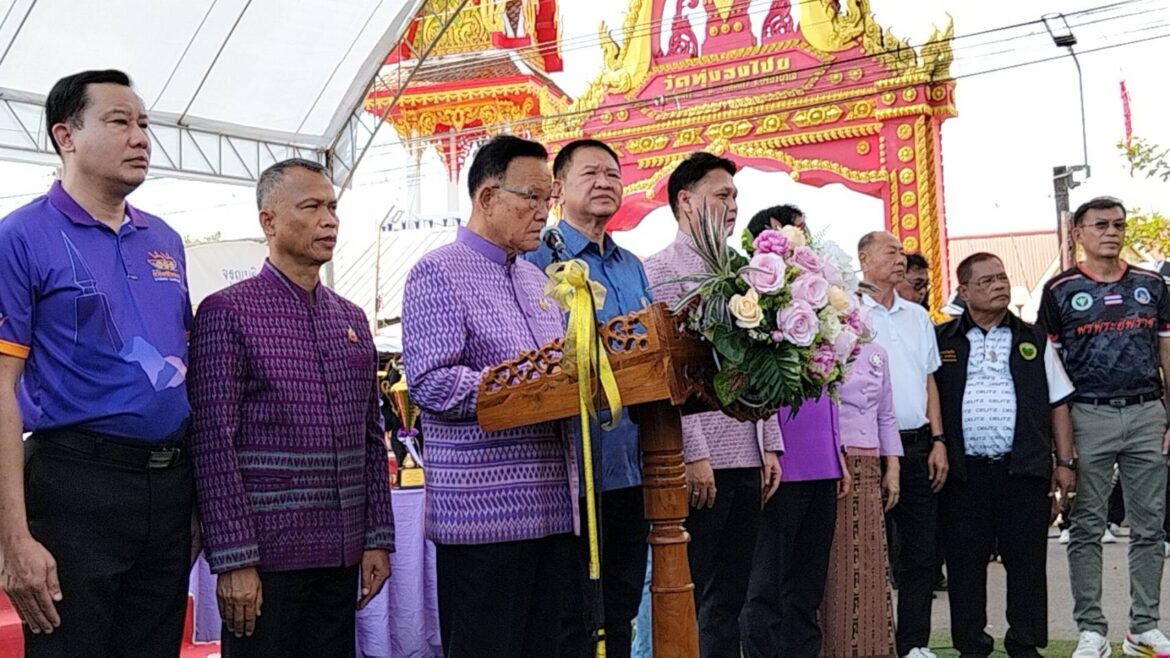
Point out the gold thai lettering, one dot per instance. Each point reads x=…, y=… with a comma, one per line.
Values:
x=738, y=73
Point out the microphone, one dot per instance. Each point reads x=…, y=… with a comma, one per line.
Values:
x=552, y=238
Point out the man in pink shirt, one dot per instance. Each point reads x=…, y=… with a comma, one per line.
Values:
x=729, y=474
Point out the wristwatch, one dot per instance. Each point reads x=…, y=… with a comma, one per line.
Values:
x=1070, y=464
x=940, y=438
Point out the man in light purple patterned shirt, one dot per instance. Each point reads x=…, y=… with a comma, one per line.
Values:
x=500, y=505
x=732, y=467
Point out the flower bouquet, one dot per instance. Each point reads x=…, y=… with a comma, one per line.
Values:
x=783, y=320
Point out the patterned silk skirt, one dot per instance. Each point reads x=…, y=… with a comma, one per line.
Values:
x=857, y=616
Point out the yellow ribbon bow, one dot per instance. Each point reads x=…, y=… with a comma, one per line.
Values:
x=569, y=284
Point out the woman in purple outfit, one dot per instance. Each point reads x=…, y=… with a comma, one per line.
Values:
x=857, y=615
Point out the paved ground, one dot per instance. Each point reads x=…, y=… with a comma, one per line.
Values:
x=1060, y=622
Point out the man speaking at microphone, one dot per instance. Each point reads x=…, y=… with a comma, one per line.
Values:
x=588, y=182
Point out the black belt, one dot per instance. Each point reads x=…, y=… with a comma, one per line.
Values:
x=1120, y=402
x=916, y=434
x=111, y=449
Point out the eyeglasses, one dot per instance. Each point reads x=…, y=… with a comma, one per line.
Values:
x=535, y=200
x=1102, y=225
x=986, y=281
x=919, y=284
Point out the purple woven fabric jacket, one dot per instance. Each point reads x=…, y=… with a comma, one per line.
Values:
x=715, y=436
x=290, y=463
x=468, y=307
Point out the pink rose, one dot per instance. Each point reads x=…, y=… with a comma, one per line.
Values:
x=811, y=288
x=823, y=361
x=771, y=241
x=832, y=273
x=864, y=322
x=853, y=321
x=807, y=260
x=845, y=344
x=799, y=323
x=765, y=272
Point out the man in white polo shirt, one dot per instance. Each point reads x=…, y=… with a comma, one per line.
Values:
x=905, y=331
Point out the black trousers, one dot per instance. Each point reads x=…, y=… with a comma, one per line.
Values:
x=993, y=507
x=504, y=599
x=623, y=570
x=305, y=613
x=916, y=516
x=789, y=570
x=121, y=536
x=720, y=556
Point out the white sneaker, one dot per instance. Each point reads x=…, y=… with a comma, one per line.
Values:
x=1151, y=644
x=1108, y=537
x=1092, y=645
x=1063, y=536
x=920, y=652
x=1116, y=530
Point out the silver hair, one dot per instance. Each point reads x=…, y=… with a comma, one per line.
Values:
x=273, y=175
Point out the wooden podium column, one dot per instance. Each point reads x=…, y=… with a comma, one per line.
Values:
x=672, y=596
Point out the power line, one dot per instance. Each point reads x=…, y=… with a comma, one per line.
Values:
x=593, y=41
x=710, y=91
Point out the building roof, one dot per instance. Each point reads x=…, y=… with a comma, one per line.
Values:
x=1026, y=256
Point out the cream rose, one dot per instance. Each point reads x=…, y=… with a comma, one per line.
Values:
x=746, y=310
x=795, y=236
x=840, y=300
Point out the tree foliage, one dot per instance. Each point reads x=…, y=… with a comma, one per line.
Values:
x=1148, y=231
x=1147, y=158
x=190, y=241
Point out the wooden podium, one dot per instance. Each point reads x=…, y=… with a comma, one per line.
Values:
x=659, y=368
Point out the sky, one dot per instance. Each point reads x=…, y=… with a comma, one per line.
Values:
x=1013, y=127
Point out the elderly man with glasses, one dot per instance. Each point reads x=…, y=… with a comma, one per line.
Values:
x=1004, y=399
x=500, y=505
x=1111, y=322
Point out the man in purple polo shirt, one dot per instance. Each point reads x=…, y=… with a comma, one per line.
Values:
x=290, y=461
x=95, y=515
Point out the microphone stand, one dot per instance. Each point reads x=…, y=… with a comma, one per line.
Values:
x=597, y=604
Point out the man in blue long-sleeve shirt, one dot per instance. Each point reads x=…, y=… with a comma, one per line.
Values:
x=588, y=181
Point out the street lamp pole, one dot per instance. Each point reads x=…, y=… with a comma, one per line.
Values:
x=1064, y=178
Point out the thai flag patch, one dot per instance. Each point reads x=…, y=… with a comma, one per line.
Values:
x=1112, y=300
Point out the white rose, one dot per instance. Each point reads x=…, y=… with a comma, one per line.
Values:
x=795, y=237
x=746, y=309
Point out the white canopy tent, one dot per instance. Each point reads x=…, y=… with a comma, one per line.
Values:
x=231, y=85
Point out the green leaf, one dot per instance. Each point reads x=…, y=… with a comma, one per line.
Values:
x=731, y=344
x=728, y=386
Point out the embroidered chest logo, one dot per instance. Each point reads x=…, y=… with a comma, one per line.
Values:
x=164, y=267
x=351, y=335
x=1028, y=351
x=1082, y=301
x=1142, y=295
x=875, y=360
x=543, y=304
x=948, y=356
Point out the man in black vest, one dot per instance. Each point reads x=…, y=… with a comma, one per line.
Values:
x=1004, y=395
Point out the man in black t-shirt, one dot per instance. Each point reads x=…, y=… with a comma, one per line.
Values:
x=1111, y=322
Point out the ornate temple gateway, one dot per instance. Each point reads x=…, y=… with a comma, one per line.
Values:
x=833, y=98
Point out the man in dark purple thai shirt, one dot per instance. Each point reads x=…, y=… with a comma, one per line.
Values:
x=95, y=515
x=290, y=461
